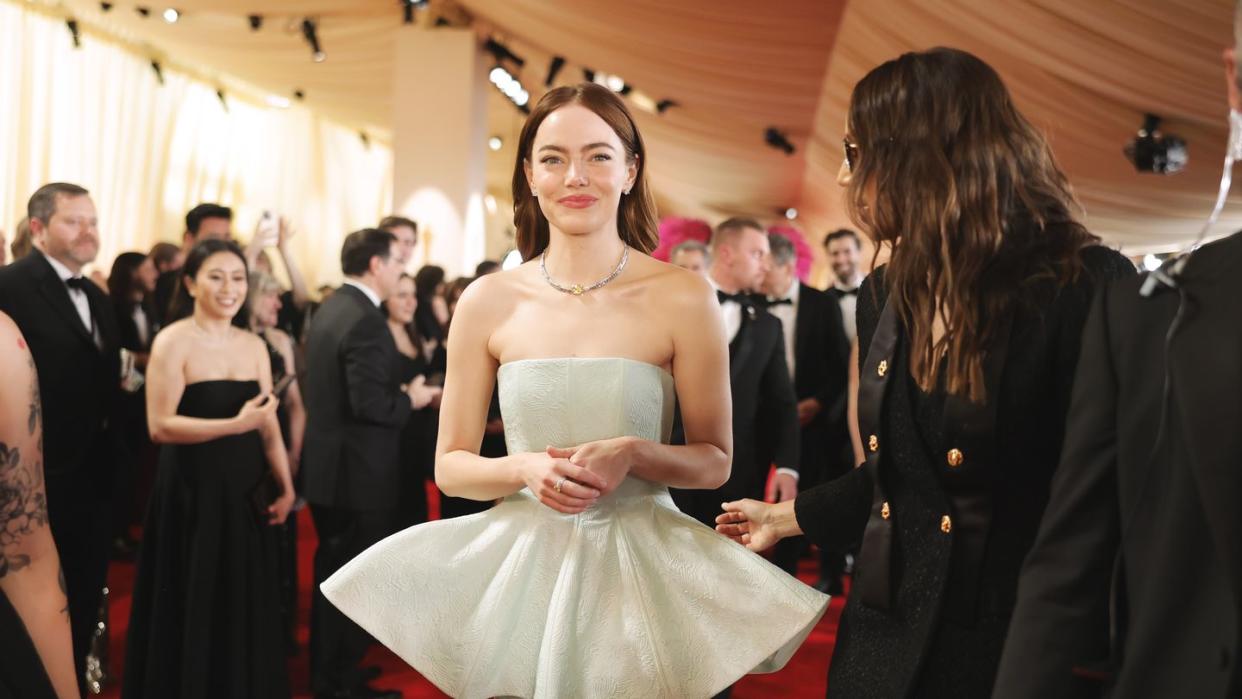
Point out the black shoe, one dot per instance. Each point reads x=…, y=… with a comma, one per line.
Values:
x=832, y=586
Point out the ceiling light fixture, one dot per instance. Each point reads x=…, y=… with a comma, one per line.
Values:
x=159, y=71
x=256, y=22
x=554, y=67
x=74, y=32
x=775, y=138
x=310, y=30
x=171, y=15
x=495, y=143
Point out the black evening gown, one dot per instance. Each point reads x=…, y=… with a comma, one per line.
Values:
x=417, y=452
x=206, y=617
x=22, y=675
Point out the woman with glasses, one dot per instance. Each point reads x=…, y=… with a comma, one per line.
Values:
x=968, y=340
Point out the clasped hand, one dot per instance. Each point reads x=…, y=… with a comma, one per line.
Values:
x=585, y=472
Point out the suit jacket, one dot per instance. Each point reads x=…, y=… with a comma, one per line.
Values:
x=765, y=416
x=1166, y=496
x=821, y=371
x=79, y=382
x=355, y=407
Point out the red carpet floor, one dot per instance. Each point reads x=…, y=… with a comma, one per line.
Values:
x=805, y=677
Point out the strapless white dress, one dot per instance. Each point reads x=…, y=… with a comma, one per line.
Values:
x=631, y=598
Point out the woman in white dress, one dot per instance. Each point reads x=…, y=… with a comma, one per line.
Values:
x=585, y=581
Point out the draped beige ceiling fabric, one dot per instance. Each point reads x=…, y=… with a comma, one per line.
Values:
x=1084, y=71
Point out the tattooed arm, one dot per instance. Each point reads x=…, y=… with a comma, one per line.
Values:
x=30, y=573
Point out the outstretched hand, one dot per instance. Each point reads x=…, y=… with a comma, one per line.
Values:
x=750, y=523
x=608, y=458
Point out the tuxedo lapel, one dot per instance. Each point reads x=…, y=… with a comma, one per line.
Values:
x=743, y=343
x=56, y=294
x=1205, y=357
x=803, y=323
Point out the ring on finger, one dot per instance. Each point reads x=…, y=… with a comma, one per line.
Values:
x=558, y=485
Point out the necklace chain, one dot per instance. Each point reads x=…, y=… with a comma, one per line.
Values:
x=577, y=289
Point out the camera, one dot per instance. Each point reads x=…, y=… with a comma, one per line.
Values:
x=1153, y=151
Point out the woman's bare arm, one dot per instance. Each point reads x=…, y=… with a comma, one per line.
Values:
x=701, y=374
x=30, y=572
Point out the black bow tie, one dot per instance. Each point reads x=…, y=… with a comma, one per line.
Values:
x=780, y=302
x=78, y=283
x=848, y=292
x=739, y=297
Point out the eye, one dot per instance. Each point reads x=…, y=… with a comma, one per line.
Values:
x=550, y=160
x=601, y=157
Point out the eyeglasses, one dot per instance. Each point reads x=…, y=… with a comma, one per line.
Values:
x=851, y=153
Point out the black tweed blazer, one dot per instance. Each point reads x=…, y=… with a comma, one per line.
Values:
x=933, y=640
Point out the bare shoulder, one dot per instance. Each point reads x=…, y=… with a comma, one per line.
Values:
x=281, y=340
x=493, y=296
x=11, y=339
x=172, y=338
x=679, y=288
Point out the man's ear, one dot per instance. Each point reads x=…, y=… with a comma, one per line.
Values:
x=1231, y=78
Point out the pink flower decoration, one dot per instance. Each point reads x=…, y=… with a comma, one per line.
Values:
x=803, y=267
x=675, y=231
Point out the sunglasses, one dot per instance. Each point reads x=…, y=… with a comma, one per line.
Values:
x=851, y=153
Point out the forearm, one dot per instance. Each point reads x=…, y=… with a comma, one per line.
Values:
x=297, y=428
x=277, y=457
x=179, y=429
x=301, y=294
x=701, y=465
x=37, y=594
x=783, y=520
x=464, y=474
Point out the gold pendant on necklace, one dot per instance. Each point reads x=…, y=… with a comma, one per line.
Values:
x=576, y=290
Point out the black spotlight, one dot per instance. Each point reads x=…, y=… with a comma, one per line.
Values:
x=223, y=102
x=554, y=67
x=256, y=22
x=664, y=105
x=502, y=52
x=407, y=11
x=773, y=137
x=310, y=30
x=588, y=75
x=144, y=11
x=74, y=32
x=1152, y=151
x=159, y=71
x=105, y=6
x=299, y=95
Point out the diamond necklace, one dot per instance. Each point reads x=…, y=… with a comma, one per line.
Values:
x=576, y=289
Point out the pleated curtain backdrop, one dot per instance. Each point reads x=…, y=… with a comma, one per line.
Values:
x=97, y=116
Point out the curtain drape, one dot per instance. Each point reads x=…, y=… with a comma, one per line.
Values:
x=97, y=116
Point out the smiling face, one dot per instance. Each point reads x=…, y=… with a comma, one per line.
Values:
x=402, y=304
x=219, y=287
x=578, y=169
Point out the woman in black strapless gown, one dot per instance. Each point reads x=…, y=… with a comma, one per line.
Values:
x=206, y=617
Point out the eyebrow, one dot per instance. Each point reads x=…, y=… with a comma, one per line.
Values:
x=587, y=147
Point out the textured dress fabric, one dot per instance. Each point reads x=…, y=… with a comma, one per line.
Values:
x=631, y=598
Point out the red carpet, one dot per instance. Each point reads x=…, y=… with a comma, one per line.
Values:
x=805, y=677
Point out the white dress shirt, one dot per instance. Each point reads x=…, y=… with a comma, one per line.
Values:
x=374, y=297
x=731, y=311
x=77, y=296
x=849, y=307
x=788, y=315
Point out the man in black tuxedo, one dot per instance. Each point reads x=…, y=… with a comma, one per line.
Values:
x=1135, y=579
x=763, y=396
x=202, y=222
x=355, y=410
x=71, y=330
x=816, y=352
x=844, y=253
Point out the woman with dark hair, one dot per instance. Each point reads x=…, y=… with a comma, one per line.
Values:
x=206, y=607
x=585, y=580
x=130, y=285
x=417, y=436
x=969, y=337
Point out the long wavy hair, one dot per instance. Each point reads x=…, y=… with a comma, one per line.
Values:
x=636, y=215
x=969, y=197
